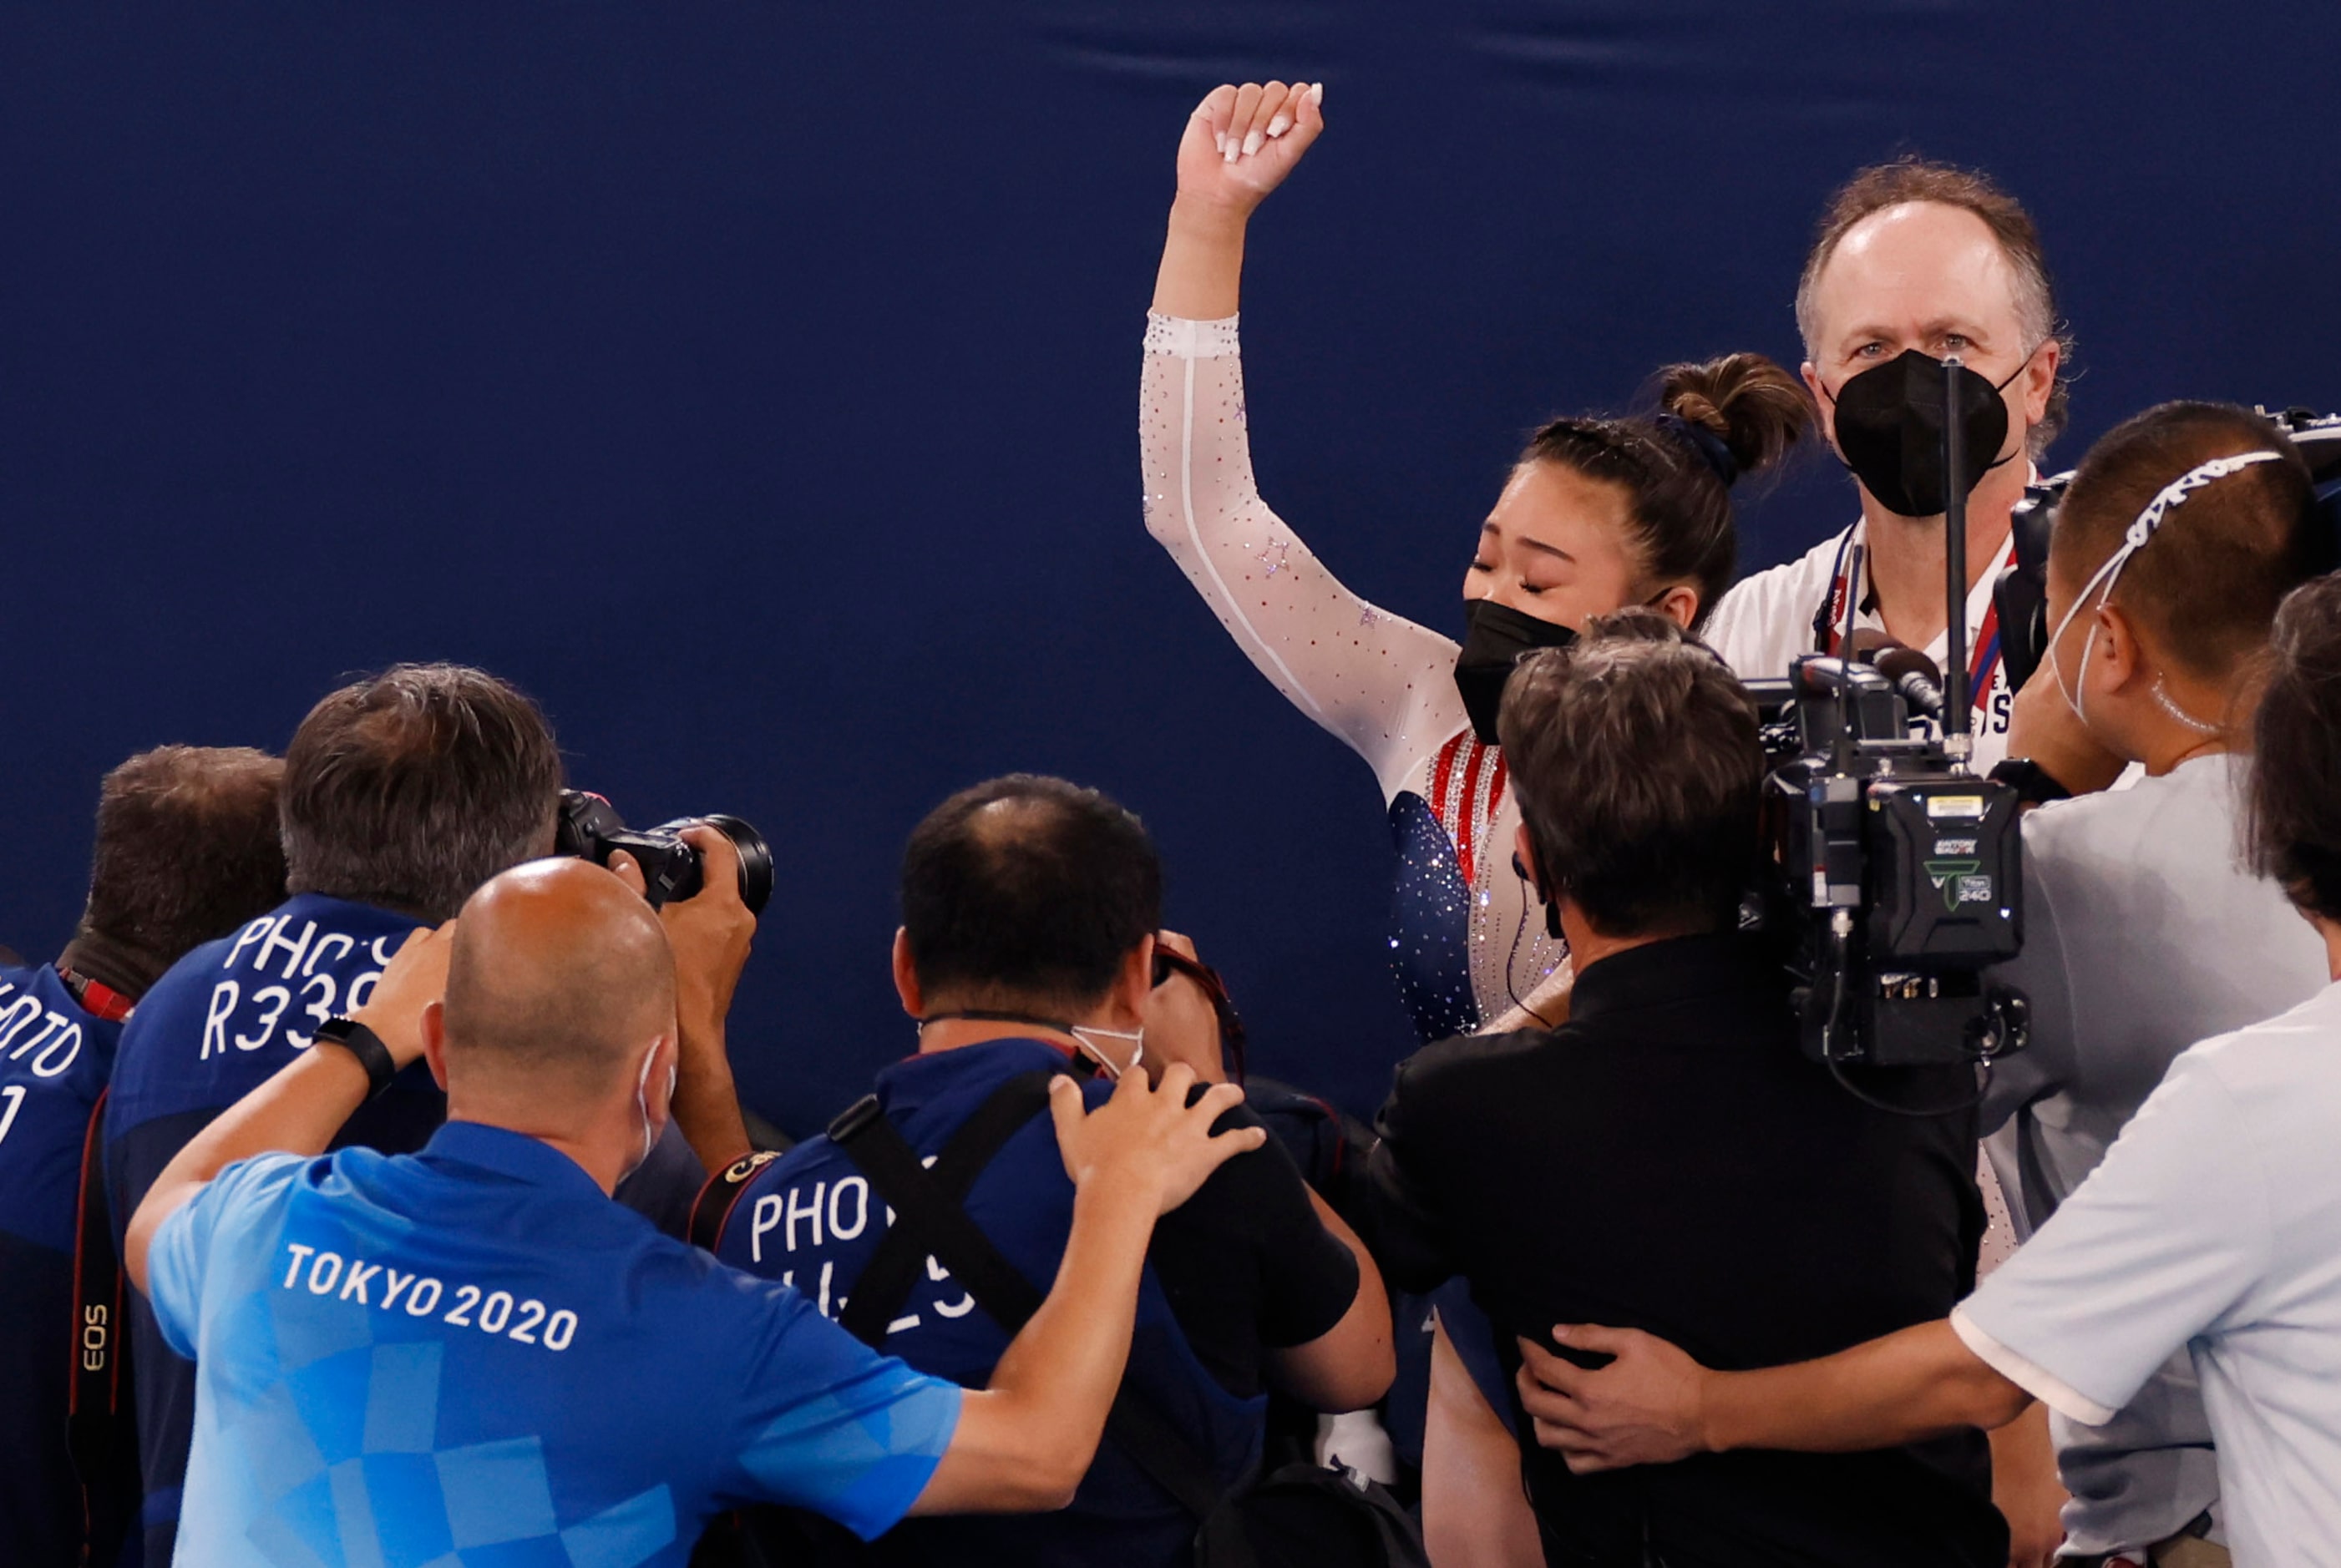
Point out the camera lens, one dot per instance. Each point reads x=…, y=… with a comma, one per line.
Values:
x=755, y=859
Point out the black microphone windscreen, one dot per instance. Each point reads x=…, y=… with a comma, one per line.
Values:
x=1895, y=660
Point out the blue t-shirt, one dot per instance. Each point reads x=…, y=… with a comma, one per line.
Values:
x=810, y=1219
x=54, y=1058
x=223, y=1021
x=472, y=1355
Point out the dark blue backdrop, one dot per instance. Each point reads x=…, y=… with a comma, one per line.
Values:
x=755, y=383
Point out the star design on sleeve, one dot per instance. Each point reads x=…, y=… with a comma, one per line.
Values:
x=1277, y=556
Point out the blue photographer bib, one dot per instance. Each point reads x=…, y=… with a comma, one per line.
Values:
x=810, y=1220
x=54, y=1058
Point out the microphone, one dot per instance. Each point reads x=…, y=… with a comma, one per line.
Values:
x=1914, y=675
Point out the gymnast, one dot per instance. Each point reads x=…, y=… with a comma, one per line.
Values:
x=1598, y=513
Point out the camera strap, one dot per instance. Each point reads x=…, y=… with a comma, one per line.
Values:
x=100, y=1343
x=711, y=1211
x=930, y=1218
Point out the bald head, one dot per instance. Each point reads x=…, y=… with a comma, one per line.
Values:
x=560, y=977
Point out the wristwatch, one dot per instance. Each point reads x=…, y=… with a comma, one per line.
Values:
x=2034, y=785
x=365, y=1045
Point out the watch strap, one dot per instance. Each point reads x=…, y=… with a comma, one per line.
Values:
x=365, y=1045
x=2034, y=785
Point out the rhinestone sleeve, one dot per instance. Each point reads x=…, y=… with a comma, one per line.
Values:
x=1378, y=680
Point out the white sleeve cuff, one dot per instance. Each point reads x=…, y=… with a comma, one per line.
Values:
x=1186, y=340
x=2030, y=1376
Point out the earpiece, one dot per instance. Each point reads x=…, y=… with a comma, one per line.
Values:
x=1543, y=887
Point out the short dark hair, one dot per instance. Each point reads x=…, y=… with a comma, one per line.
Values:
x=1915, y=179
x=2208, y=584
x=410, y=788
x=187, y=850
x=1028, y=892
x=1635, y=756
x=1678, y=498
x=2295, y=797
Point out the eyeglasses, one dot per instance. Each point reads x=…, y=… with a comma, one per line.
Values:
x=1168, y=962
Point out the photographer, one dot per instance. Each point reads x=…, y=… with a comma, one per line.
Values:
x=186, y=848
x=402, y=794
x=1669, y=1155
x=2210, y=1228
x=2181, y=533
x=472, y=1351
x=1029, y=908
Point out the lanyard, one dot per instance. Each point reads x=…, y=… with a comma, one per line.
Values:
x=1983, y=662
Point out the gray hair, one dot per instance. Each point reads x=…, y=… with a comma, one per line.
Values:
x=409, y=790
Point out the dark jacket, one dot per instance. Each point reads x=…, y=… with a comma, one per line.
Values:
x=1668, y=1160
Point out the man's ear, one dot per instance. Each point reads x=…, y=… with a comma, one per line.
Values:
x=1135, y=983
x=2040, y=380
x=666, y=1060
x=434, y=1041
x=906, y=977
x=2120, y=655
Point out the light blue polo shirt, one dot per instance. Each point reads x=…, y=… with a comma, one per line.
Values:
x=471, y=1356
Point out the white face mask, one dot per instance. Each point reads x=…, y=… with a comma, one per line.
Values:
x=2102, y=583
x=643, y=1103
x=1082, y=1032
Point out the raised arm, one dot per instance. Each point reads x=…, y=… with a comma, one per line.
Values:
x=1378, y=681
x=1026, y=1441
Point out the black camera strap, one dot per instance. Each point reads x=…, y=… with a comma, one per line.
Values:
x=929, y=1205
x=711, y=1211
x=94, y=1423
x=930, y=1220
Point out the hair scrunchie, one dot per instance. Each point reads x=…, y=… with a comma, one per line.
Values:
x=1705, y=442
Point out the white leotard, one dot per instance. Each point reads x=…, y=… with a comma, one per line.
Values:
x=1383, y=684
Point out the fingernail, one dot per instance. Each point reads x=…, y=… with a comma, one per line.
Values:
x=1230, y=148
x=1251, y=143
x=1317, y=92
x=1219, y=141
x=1278, y=126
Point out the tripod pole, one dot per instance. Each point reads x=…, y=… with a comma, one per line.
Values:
x=1958, y=703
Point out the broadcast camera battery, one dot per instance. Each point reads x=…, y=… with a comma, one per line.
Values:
x=1947, y=861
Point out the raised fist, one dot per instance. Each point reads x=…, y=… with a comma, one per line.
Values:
x=1242, y=142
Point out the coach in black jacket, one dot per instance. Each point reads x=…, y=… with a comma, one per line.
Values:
x=1667, y=1159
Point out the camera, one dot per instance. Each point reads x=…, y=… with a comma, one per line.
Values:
x=1899, y=873
x=590, y=827
x=1899, y=877
x=2020, y=591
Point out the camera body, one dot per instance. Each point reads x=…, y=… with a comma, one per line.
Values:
x=1900, y=878
x=590, y=827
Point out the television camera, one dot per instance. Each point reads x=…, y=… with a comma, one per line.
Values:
x=1900, y=872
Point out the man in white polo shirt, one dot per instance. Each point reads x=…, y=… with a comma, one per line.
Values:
x=2214, y=1226
x=2183, y=531
x=1922, y=260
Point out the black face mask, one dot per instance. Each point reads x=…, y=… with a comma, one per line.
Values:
x=1889, y=431
x=1494, y=638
